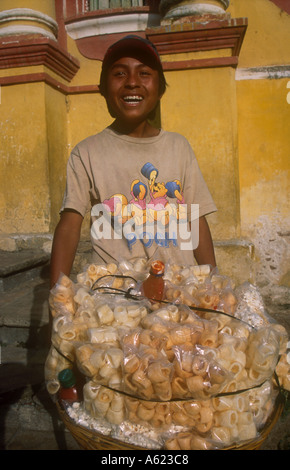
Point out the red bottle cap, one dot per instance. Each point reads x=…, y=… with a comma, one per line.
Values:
x=157, y=268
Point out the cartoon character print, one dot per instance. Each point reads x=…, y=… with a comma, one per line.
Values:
x=136, y=207
x=157, y=208
x=116, y=207
x=158, y=203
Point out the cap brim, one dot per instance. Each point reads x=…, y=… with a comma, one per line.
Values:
x=134, y=46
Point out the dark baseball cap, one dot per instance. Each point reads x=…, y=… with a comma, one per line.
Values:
x=132, y=46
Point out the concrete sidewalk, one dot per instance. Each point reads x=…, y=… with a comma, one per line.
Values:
x=28, y=417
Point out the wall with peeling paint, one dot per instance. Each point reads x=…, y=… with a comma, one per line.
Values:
x=262, y=84
x=239, y=128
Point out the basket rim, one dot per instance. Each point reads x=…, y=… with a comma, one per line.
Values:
x=278, y=407
x=70, y=423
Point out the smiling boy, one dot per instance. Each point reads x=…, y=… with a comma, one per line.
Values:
x=112, y=173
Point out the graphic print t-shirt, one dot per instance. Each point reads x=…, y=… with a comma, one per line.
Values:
x=139, y=192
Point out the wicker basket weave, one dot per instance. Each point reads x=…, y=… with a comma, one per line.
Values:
x=93, y=440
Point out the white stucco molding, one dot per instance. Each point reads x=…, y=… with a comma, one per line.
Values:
x=188, y=10
x=263, y=72
x=27, y=14
x=118, y=23
x=181, y=8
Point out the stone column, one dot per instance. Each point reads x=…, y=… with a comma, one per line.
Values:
x=35, y=71
x=177, y=10
x=37, y=18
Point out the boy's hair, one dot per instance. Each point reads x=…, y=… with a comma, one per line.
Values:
x=132, y=46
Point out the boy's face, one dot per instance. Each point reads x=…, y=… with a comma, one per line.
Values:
x=132, y=90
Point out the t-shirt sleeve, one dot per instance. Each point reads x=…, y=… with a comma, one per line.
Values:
x=195, y=188
x=77, y=191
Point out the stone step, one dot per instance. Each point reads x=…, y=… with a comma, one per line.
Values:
x=23, y=352
x=21, y=266
x=21, y=367
x=24, y=318
x=24, y=313
x=30, y=421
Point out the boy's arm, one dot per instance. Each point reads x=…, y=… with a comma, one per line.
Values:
x=65, y=243
x=204, y=253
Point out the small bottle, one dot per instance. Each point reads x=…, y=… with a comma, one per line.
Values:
x=68, y=390
x=153, y=286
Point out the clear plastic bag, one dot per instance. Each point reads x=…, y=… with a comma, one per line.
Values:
x=196, y=374
x=148, y=413
x=61, y=296
x=262, y=354
x=102, y=362
x=250, y=306
x=186, y=378
x=54, y=363
x=146, y=369
x=105, y=403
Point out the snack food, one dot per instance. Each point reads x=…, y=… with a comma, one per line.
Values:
x=194, y=375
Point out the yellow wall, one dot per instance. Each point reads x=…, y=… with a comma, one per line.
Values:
x=264, y=152
x=263, y=137
x=206, y=114
x=25, y=195
x=267, y=41
x=44, y=6
x=56, y=112
x=264, y=117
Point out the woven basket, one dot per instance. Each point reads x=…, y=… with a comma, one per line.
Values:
x=93, y=440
